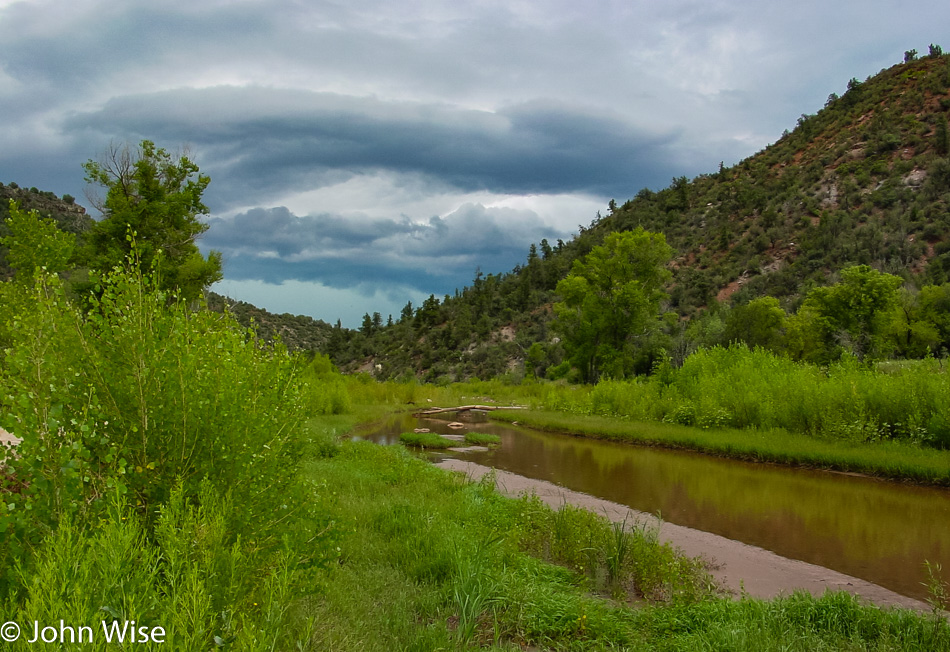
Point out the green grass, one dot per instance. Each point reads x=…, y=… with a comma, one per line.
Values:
x=426, y=440
x=482, y=439
x=737, y=387
x=451, y=559
x=428, y=560
x=886, y=459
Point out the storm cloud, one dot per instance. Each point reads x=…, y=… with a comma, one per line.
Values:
x=434, y=256
x=263, y=142
x=381, y=148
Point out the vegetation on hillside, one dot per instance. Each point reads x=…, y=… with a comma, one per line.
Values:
x=863, y=182
x=296, y=332
x=68, y=216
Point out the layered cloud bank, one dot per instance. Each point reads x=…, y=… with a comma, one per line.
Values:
x=375, y=150
x=349, y=251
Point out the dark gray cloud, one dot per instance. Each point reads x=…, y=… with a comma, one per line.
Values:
x=82, y=45
x=438, y=255
x=264, y=142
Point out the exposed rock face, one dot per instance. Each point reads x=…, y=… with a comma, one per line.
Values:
x=70, y=217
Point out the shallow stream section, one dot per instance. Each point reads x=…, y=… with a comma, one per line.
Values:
x=877, y=530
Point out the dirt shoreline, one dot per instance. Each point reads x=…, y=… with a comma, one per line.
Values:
x=738, y=566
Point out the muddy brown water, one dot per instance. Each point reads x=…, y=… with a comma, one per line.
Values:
x=876, y=530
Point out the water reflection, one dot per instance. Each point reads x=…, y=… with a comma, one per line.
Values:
x=876, y=530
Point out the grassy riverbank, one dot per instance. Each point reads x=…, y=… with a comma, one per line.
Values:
x=887, y=459
x=891, y=421
x=613, y=411
x=429, y=561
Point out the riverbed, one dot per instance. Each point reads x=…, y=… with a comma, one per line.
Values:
x=878, y=531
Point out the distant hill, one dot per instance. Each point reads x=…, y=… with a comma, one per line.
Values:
x=864, y=180
x=68, y=215
x=297, y=332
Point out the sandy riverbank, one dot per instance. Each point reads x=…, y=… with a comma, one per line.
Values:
x=738, y=566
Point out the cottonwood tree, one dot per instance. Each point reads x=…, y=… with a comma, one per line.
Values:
x=850, y=315
x=758, y=323
x=152, y=205
x=611, y=302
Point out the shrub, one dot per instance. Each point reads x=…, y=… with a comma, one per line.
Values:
x=132, y=397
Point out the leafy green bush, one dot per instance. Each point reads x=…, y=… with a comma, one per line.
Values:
x=134, y=396
x=158, y=474
x=193, y=578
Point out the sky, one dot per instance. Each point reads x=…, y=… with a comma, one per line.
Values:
x=364, y=154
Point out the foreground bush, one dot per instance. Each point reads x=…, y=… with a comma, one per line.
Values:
x=158, y=473
x=191, y=578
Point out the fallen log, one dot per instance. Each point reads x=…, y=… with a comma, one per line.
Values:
x=466, y=408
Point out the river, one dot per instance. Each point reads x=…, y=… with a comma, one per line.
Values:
x=877, y=530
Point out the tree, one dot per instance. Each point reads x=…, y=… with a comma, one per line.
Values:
x=610, y=302
x=920, y=324
x=758, y=323
x=151, y=205
x=428, y=314
x=942, y=137
x=546, y=250
x=854, y=312
x=535, y=360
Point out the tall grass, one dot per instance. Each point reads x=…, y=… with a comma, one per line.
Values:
x=740, y=387
x=192, y=578
x=462, y=547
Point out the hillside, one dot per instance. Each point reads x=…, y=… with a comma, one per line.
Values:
x=68, y=215
x=864, y=180
x=297, y=332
